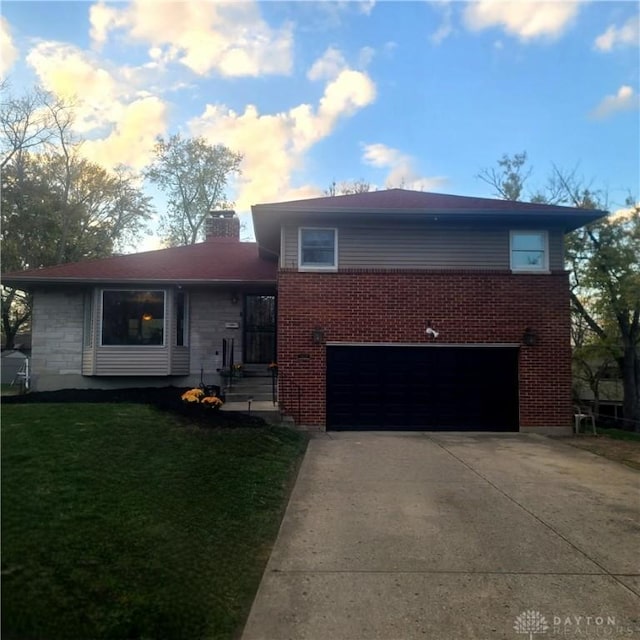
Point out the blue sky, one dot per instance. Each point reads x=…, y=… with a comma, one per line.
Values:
x=415, y=94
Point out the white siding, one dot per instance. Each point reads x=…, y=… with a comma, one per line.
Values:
x=179, y=361
x=132, y=361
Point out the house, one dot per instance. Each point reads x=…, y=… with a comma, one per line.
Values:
x=395, y=309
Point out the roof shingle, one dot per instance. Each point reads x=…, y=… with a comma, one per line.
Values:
x=211, y=261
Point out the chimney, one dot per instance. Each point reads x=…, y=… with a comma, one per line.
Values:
x=222, y=224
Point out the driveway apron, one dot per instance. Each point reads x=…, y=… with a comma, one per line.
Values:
x=395, y=536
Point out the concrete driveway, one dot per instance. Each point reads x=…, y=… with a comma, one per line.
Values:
x=453, y=536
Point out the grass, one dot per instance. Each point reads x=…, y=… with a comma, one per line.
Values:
x=7, y=389
x=618, y=434
x=120, y=522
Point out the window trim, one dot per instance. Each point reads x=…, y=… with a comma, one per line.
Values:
x=88, y=337
x=544, y=267
x=101, y=344
x=311, y=267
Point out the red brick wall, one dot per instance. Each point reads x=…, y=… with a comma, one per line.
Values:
x=393, y=306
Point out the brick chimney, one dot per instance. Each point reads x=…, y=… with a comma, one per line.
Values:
x=222, y=224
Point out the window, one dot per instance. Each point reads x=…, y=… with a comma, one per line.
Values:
x=318, y=248
x=132, y=317
x=529, y=251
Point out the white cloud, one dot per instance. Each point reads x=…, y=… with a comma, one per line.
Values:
x=332, y=12
x=119, y=121
x=627, y=34
x=402, y=172
x=366, y=6
x=230, y=38
x=626, y=213
x=390, y=46
x=526, y=19
x=103, y=19
x=624, y=100
x=71, y=74
x=446, y=27
x=274, y=145
x=365, y=56
x=132, y=138
x=332, y=63
x=8, y=51
x=328, y=65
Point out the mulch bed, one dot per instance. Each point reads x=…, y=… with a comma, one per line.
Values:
x=163, y=398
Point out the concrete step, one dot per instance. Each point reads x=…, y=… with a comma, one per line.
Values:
x=256, y=371
x=265, y=410
x=248, y=381
x=259, y=405
x=233, y=396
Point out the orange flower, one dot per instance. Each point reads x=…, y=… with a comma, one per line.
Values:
x=212, y=400
x=193, y=395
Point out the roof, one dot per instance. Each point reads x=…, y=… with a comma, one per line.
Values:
x=214, y=261
x=412, y=205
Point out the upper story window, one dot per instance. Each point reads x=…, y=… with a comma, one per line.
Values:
x=529, y=251
x=133, y=317
x=318, y=249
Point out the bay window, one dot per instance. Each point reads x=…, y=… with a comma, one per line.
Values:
x=133, y=317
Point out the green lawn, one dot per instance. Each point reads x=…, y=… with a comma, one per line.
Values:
x=118, y=521
x=9, y=389
x=618, y=434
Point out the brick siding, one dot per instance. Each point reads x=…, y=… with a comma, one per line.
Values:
x=372, y=306
x=222, y=224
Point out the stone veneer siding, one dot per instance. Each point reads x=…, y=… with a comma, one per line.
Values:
x=210, y=310
x=368, y=306
x=57, y=333
x=58, y=326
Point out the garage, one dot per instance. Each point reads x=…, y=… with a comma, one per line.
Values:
x=455, y=388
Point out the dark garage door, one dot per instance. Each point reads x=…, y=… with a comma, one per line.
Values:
x=438, y=388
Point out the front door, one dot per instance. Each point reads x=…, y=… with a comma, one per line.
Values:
x=259, y=329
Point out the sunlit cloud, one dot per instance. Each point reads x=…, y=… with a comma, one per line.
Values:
x=133, y=136
x=275, y=145
x=402, y=172
x=625, y=213
x=624, y=100
x=8, y=50
x=229, y=38
x=614, y=37
x=119, y=121
x=526, y=19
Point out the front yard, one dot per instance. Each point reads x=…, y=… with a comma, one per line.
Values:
x=614, y=444
x=120, y=521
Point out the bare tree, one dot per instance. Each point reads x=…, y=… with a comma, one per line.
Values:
x=348, y=187
x=603, y=259
x=56, y=206
x=28, y=121
x=509, y=177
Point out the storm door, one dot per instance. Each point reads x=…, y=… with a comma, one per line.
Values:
x=259, y=329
